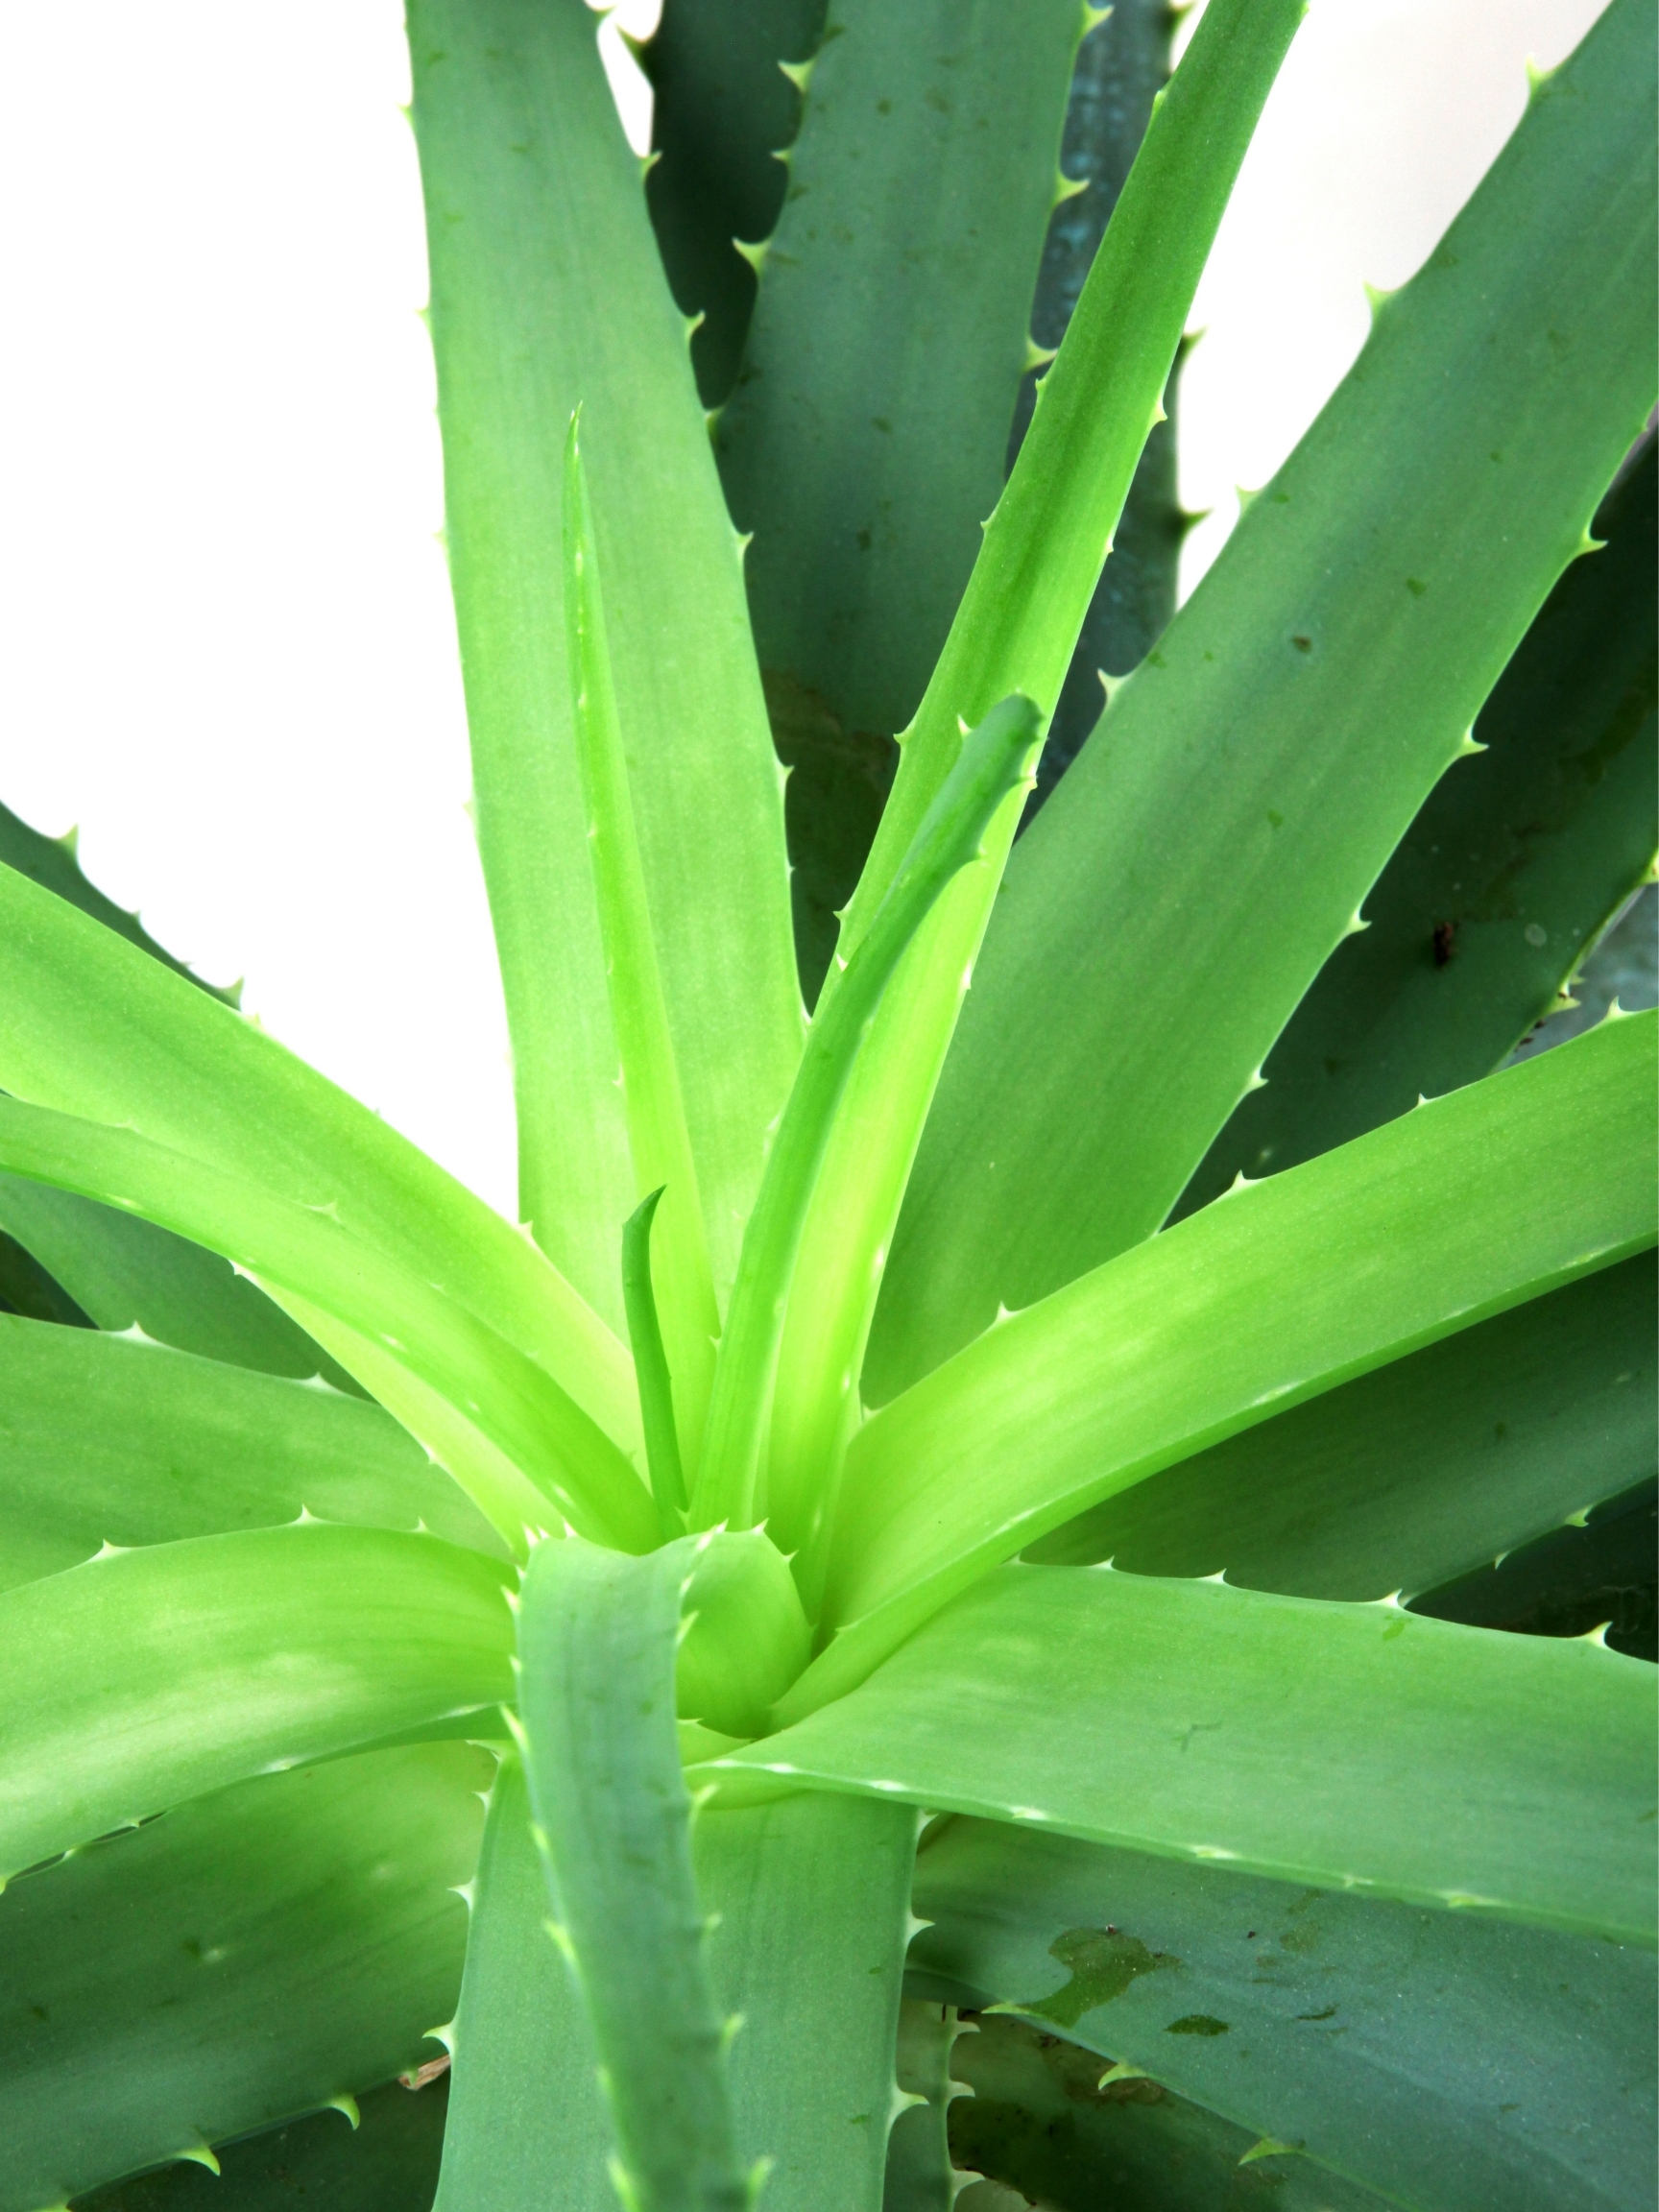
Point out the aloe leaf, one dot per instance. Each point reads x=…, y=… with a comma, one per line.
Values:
x=526, y=2118
x=110, y=1440
x=807, y=1913
x=146, y=1678
x=1507, y=877
x=995, y=765
x=1044, y=2118
x=921, y=2176
x=253, y=1954
x=1015, y=630
x=519, y=1447
x=1595, y=1573
x=125, y=1273
x=920, y=189
x=1342, y=1747
x=1429, y=2056
x=811, y=1906
x=1270, y=1296
x=1423, y=1470
x=1214, y=840
x=96, y=1029
x=723, y=105
x=657, y=1139
x=597, y=1639
x=388, y=2163
x=54, y=863
x=535, y=210
x=1123, y=66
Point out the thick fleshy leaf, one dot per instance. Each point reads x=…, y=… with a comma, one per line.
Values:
x=1343, y=1747
x=921, y=184
x=1598, y=1573
x=808, y=1903
x=597, y=1638
x=1270, y=1296
x=526, y=2118
x=1040, y=556
x=535, y=214
x=95, y=1028
x=147, y=1678
x=1213, y=842
x=249, y=1956
x=123, y=1273
x=1452, y=2063
x=1511, y=871
x=1421, y=1471
x=722, y=107
x=515, y=1442
x=1040, y=2118
x=109, y=1440
x=388, y=2163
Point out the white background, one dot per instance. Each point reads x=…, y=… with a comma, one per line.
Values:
x=228, y=650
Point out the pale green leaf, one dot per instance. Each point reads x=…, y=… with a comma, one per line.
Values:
x=1468, y=1206
x=1417, y=1472
x=1219, y=833
x=147, y=1678
x=253, y=1955
x=95, y=1028
x=548, y=294
x=104, y=1439
x=507, y=1432
x=1341, y=1746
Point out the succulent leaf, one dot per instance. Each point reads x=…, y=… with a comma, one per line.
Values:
x=535, y=212
x=258, y=1952
x=1216, y=839
x=1343, y=1747
x=1428, y=2055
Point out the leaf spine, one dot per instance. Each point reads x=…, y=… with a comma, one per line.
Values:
x=346, y=2103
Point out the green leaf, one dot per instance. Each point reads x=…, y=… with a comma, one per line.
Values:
x=388, y=2163
x=526, y=2119
x=53, y=862
x=919, y=2174
x=1211, y=845
x=125, y=1273
x=1041, y=2119
x=994, y=767
x=96, y=1029
x=104, y=1439
x=1449, y=2062
x=1271, y=1296
x=1423, y=1470
x=920, y=189
x=597, y=1637
x=513, y=1439
x=1508, y=875
x=1597, y=1572
x=536, y=215
x=808, y=1910
x=721, y=104
x=1342, y=1747
x=253, y=1955
x=146, y=1678
x=811, y=1913
x=658, y=1140
x=1015, y=630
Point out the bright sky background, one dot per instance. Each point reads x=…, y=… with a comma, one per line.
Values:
x=229, y=653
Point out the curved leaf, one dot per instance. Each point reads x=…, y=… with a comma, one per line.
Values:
x=1343, y=1747
x=147, y=1678
x=1452, y=2063
x=253, y=1955
x=1415, y=1472
x=106, y=1439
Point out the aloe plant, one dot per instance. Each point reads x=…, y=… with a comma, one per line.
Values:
x=791, y=1722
